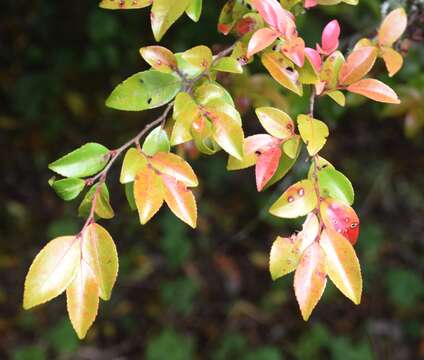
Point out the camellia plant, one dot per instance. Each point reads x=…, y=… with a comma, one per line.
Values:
x=198, y=109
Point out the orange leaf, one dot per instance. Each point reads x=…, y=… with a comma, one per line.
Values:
x=310, y=279
x=294, y=49
x=357, y=65
x=180, y=200
x=260, y=40
x=172, y=165
x=159, y=58
x=392, y=59
x=393, y=27
x=82, y=297
x=375, y=90
x=148, y=194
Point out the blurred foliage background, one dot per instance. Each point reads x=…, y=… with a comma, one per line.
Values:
x=203, y=294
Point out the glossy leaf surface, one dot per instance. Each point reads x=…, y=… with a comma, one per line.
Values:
x=375, y=90
x=133, y=162
x=68, y=189
x=164, y=13
x=276, y=122
x=159, y=58
x=156, y=141
x=334, y=184
x=313, y=132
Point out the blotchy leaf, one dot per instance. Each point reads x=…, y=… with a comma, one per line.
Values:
x=260, y=40
x=357, y=65
x=148, y=193
x=134, y=161
x=52, y=271
x=334, y=184
x=276, y=65
x=124, y=4
x=393, y=27
x=174, y=166
x=99, y=252
x=180, y=200
x=313, y=132
x=164, y=13
x=294, y=49
x=84, y=161
x=199, y=57
x=144, y=90
x=340, y=218
x=392, y=59
x=375, y=90
x=310, y=279
x=343, y=265
x=276, y=122
x=82, y=297
x=331, y=69
x=267, y=165
x=298, y=200
x=159, y=58
x=284, y=257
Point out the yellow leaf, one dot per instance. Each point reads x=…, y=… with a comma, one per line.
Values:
x=392, y=59
x=343, y=265
x=99, y=252
x=52, y=270
x=82, y=299
x=134, y=161
x=313, y=132
x=338, y=97
x=199, y=56
x=124, y=4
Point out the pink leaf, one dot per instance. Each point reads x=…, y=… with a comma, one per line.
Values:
x=258, y=142
x=294, y=49
x=314, y=57
x=330, y=37
x=266, y=166
x=260, y=40
x=274, y=15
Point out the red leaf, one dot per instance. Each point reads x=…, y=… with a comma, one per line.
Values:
x=330, y=37
x=260, y=40
x=375, y=90
x=266, y=166
x=340, y=218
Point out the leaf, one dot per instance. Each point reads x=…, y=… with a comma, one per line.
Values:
x=82, y=297
x=308, y=74
x=266, y=166
x=291, y=146
x=375, y=90
x=338, y=97
x=310, y=279
x=133, y=162
x=194, y=9
x=129, y=194
x=298, y=200
x=341, y=218
x=330, y=37
x=357, y=65
x=260, y=40
x=180, y=200
x=251, y=146
x=99, y=252
x=392, y=59
x=201, y=130
x=211, y=93
x=199, y=57
x=313, y=132
x=272, y=12
x=276, y=122
x=144, y=90
x=281, y=72
x=231, y=13
x=392, y=28
x=156, y=141
x=227, y=133
x=84, y=161
x=103, y=208
x=284, y=257
x=294, y=49
x=331, y=69
x=334, y=184
x=185, y=112
x=228, y=64
x=148, y=193
x=52, y=271
x=321, y=164
x=124, y=4
x=311, y=230
x=174, y=166
x=164, y=13
x=343, y=265
x=159, y=58
x=68, y=189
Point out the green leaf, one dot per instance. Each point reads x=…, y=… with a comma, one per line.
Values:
x=188, y=70
x=276, y=122
x=84, y=161
x=129, y=194
x=194, y=9
x=313, y=132
x=185, y=112
x=164, y=13
x=331, y=69
x=68, y=189
x=338, y=97
x=291, y=146
x=144, y=90
x=298, y=200
x=156, y=141
x=199, y=57
x=228, y=64
x=82, y=300
x=321, y=165
x=133, y=162
x=103, y=208
x=99, y=252
x=334, y=184
x=52, y=271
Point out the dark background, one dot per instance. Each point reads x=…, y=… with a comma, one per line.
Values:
x=207, y=293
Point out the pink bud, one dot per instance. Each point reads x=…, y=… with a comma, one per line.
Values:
x=330, y=37
x=314, y=57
